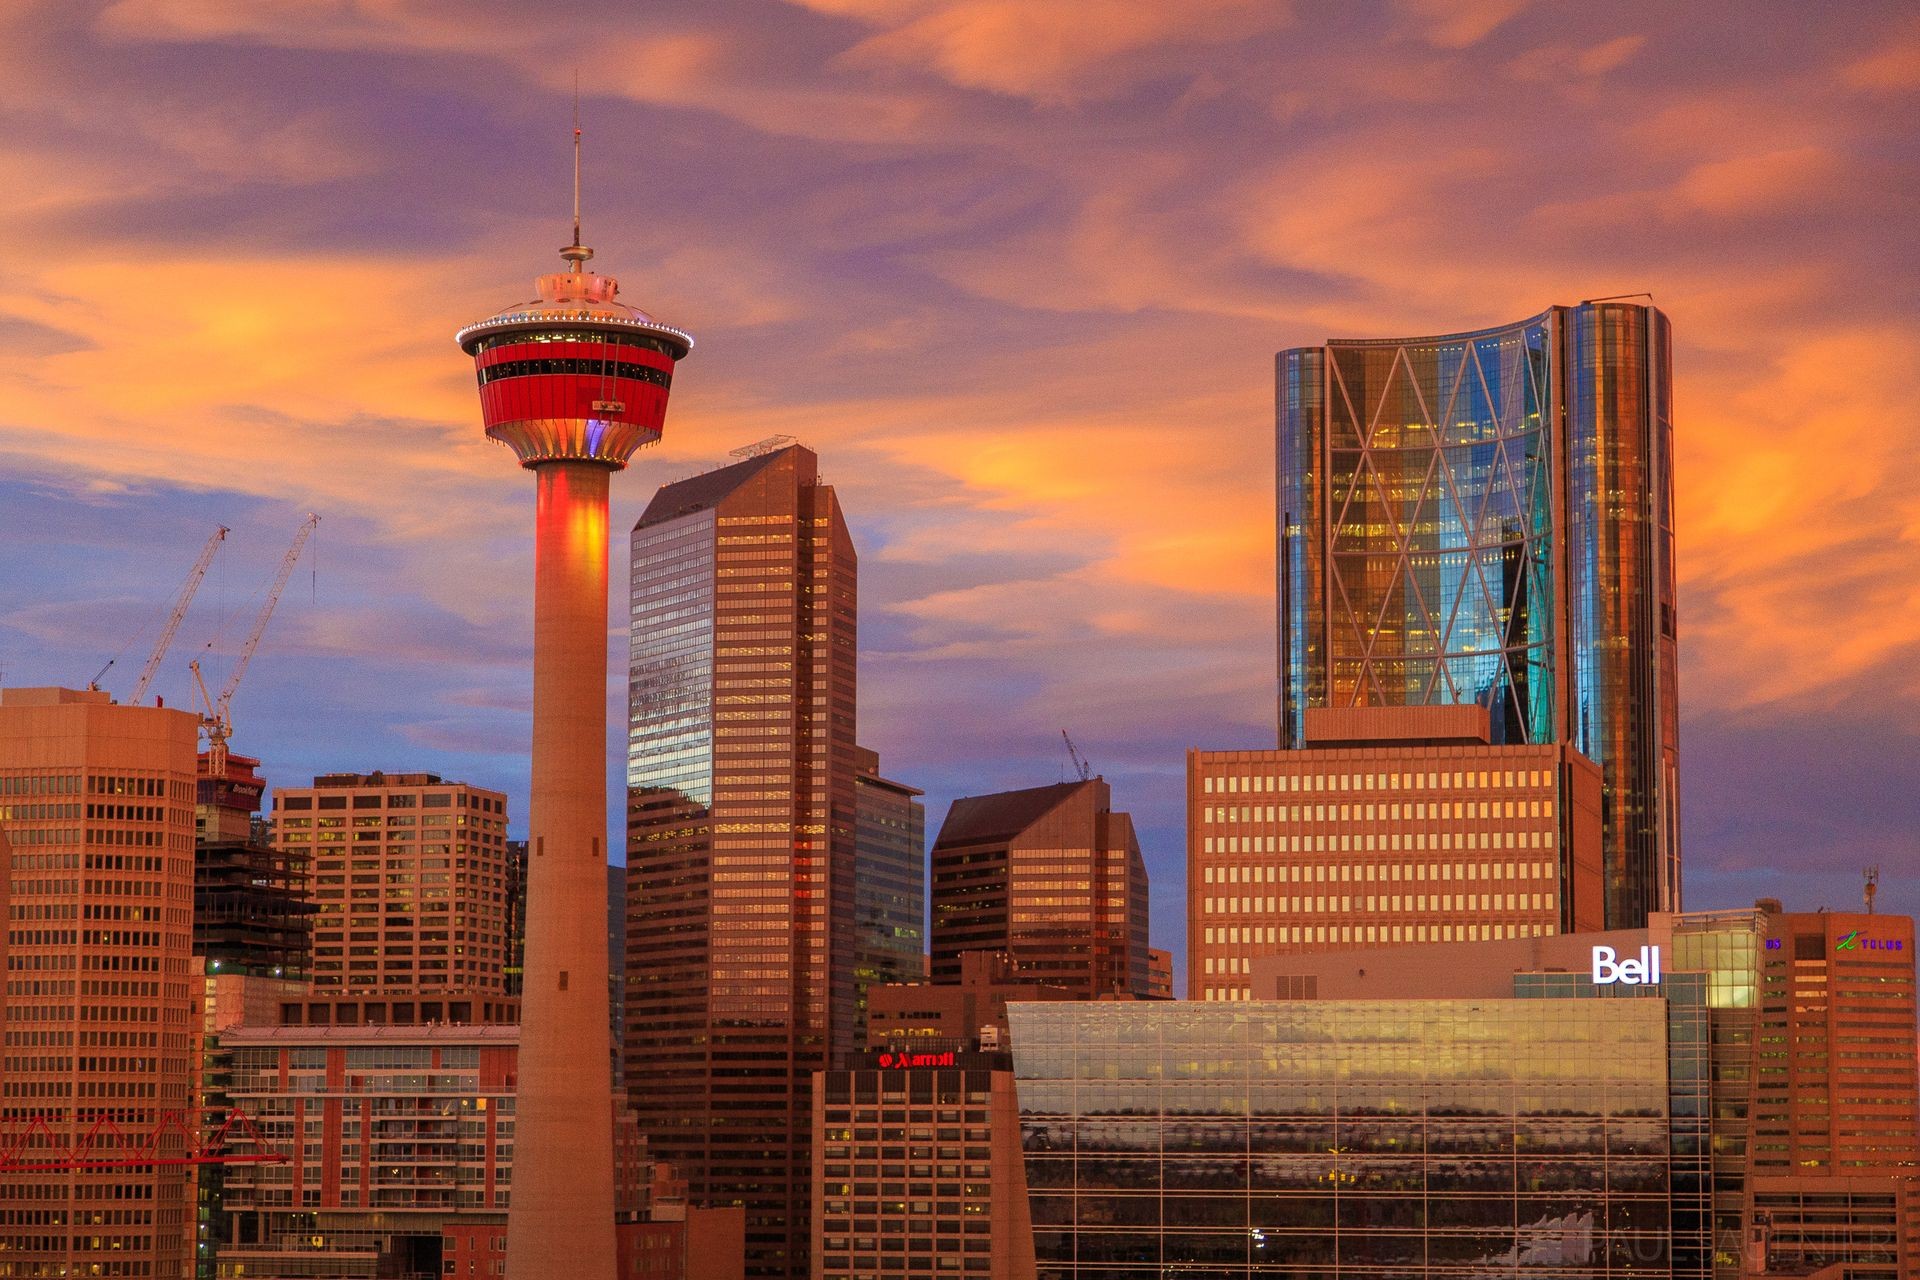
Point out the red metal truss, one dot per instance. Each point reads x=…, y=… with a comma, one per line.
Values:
x=33, y=1146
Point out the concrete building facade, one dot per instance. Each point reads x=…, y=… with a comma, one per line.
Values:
x=1391, y=826
x=917, y=1168
x=410, y=881
x=97, y=1015
x=1834, y=1158
x=398, y=1138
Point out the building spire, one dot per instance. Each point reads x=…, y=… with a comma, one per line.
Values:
x=576, y=253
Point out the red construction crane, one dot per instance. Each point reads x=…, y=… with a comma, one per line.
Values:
x=32, y=1146
x=216, y=718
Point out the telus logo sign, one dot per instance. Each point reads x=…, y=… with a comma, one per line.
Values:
x=1609, y=968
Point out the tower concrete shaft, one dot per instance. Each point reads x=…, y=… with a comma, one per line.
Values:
x=560, y=1219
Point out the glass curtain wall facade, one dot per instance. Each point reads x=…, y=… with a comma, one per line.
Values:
x=890, y=885
x=741, y=830
x=1488, y=518
x=1392, y=1141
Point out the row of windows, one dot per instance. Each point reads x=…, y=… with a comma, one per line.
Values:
x=1373, y=842
x=1394, y=902
x=396, y=800
x=1378, y=781
x=1369, y=873
x=594, y=337
x=1380, y=812
x=595, y=368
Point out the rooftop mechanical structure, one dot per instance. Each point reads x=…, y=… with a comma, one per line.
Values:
x=573, y=382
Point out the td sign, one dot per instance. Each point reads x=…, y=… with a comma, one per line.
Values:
x=1609, y=968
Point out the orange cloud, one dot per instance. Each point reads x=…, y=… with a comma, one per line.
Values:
x=1049, y=53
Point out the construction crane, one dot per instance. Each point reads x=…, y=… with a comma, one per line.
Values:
x=174, y=617
x=1080, y=766
x=179, y=612
x=216, y=717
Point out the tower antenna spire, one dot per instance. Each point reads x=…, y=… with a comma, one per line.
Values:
x=576, y=159
x=576, y=253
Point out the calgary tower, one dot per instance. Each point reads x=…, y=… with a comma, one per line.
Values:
x=573, y=382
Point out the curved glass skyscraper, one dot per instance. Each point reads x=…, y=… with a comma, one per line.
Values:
x=1488, y=518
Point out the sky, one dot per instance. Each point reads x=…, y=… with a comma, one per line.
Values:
x=1017, y=272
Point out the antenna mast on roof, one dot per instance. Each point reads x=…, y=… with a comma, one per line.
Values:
x=576, y=159
x=1873, y=887
x=576, y=253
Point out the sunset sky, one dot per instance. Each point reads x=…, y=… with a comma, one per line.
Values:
x=1017, y=271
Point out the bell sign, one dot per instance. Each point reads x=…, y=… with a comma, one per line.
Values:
x=1609, y=968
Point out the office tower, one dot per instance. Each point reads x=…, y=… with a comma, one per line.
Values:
x=741, y=826
x=1488, y=518
x=1050, y=876
x=408, y=875
x=96, y=807
x=889, y=883
x=1834, y=1157
x=1389, y=825
x=573, y=382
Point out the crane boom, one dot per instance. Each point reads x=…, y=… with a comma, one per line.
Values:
x=1080, y=766
x=180, y=604
x=266, y=613
x=217, y=716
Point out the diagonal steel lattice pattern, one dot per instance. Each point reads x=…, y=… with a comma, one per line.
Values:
x=1439, y=484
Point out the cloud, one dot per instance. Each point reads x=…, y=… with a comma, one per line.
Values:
x=1051, y=54
x=1456, y=24
x=1016, y=271
x=1893, y=68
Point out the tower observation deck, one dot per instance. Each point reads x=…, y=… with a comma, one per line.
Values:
x=573, y=382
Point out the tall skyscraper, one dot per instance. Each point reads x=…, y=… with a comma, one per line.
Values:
x=1050, y=876
x=889, y=884
x=573, y=382
x=1488, y=518
x=741, y=823
x=96, y=805
x=409, y=878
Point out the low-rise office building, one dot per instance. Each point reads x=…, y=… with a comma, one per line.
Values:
x=1392, y=826
x=1386, y=1139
